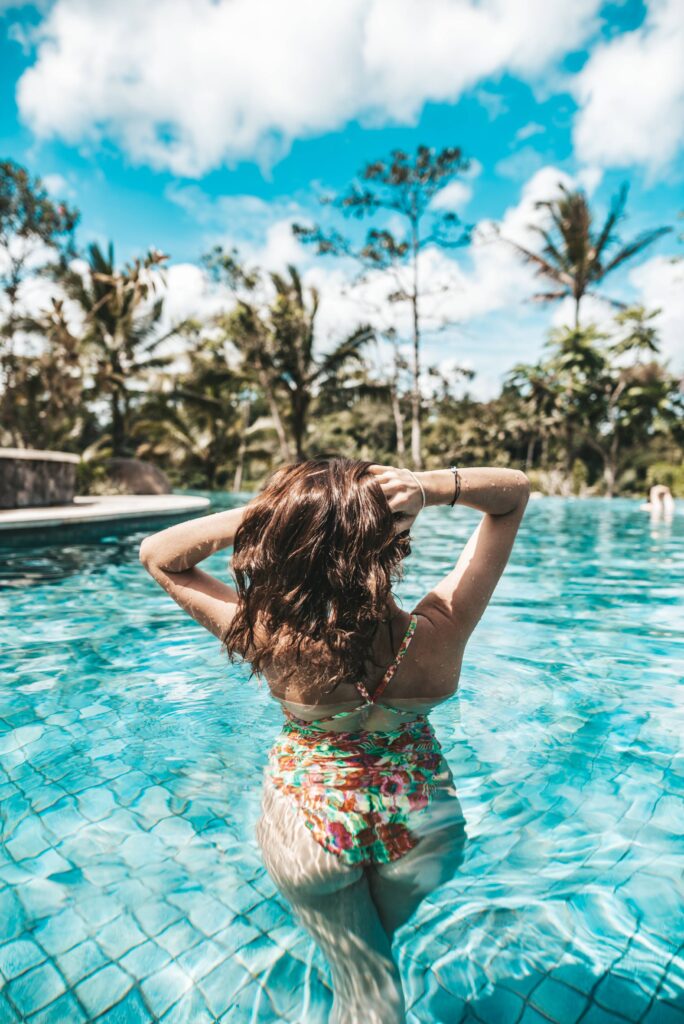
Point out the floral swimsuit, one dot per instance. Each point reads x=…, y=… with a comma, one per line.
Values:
x=359, y=792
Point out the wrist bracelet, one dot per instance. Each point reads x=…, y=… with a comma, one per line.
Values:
x=422, y=489
x=457, y=485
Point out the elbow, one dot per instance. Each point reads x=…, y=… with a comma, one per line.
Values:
x=145, y=553
x=524, y=486
x=523, y=483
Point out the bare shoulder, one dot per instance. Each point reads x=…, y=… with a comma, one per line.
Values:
x=434, y=658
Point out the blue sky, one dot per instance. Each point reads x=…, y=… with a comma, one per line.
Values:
x=179, y=125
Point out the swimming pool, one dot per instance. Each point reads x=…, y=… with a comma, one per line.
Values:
x=131, y=752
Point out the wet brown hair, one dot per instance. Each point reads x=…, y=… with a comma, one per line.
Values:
x=314, y=560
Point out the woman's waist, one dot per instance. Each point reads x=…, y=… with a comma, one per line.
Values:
x=416, y=729
x=412, y=745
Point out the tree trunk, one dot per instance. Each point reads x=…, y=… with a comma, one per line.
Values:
x=118, y=433
x=416, y=453
x=300, y=407
x=610, y=466
x=609, y=478
x=285, y=452
x=529, y=455
x=398, y=426
x=239, y=469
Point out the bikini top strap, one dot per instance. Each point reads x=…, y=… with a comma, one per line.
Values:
x=403, y=648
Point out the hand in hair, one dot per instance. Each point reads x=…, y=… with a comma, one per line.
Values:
x=403, y=494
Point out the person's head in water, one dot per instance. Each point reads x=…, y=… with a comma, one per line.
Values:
x=314, y=560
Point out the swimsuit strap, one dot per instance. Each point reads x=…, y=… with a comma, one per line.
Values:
x=386, y=679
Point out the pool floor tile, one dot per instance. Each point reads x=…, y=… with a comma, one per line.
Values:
x=220, y=986
x=19, y=956
x=559, y=1002
x=621, y=996
x=596, y=1015
x=201, y=959
x=81, y=961
x=165, y=987
x=103, y=989
x=190, y=1009
x=665, y=1013
x=8, y=1014
x=120, y=936
x=145, y=960
x=179, y=937
x=155, y=915
x=129, y=1010
x=210, y=915
x=35, y=989
x=62, y=1010
x=61, y=932
x=499, y=1007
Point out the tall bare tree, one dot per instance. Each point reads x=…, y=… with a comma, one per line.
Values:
x=401, y=188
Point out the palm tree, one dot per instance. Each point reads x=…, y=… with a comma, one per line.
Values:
x=292, y=319
x=121, y=328
x=574, y=258
x=201, y=424
x=244, y=327
x=537, y=388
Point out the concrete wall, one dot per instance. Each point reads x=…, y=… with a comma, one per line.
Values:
x=29, y=477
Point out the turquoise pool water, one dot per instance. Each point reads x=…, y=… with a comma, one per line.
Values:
x=131, y=752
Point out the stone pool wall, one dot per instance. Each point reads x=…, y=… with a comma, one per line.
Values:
x=30, y=477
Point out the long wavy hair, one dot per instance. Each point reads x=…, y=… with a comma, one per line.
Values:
x=314, y=560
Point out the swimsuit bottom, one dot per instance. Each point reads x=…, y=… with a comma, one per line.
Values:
x=363, y=795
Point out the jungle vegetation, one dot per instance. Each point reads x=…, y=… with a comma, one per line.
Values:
x=219, y=403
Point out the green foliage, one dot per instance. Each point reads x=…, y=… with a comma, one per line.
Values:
x=579, y=477
x=401, y=189
x=574, y=258
x=669, y=474
x=597, y=413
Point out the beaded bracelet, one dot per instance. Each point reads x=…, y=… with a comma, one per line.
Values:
x=457, y=485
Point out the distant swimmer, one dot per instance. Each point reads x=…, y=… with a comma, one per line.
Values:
x=660, y=502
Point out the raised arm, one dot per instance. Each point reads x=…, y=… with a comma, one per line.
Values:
x=454, y=606
x=172, y=555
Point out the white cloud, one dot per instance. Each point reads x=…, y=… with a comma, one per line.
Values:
x=57, y=186
x=187, y=85
x=493, y=102
x=660, y=282
x=528, y=130
x=589, y=178
x=520, y=165
x=631, y=94
x=453, y=196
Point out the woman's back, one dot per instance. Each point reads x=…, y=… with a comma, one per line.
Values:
x=399, y=685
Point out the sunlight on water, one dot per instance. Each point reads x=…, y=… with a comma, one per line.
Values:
x=131, y=752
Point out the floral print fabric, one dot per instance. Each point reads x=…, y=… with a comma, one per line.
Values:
x=358, y=792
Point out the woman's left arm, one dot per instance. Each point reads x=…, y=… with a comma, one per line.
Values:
x=171, y=558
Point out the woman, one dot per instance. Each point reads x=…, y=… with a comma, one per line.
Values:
x=360, y=816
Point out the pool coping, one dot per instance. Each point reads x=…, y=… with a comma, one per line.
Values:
x=98, y=509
